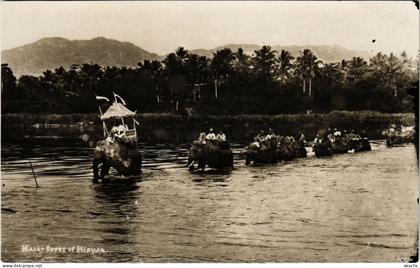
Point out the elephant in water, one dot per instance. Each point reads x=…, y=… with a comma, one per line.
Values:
x=124, y=157
x=286, y=148
x=214, y=154
x=262, y=152
x=340, y=145
x=323, y=148
x=395, y=137
x=360, y=145
x=301, y=150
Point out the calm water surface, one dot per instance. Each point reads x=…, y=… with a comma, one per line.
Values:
x=348, y=208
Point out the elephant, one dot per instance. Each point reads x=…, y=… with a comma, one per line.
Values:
x=214, y=154
x=301, y=150
x=286, y=149
x=340, y=145
x=323, y=148
x=398, y=137
x=262, y=153
x=360, y=145
x=124, y=157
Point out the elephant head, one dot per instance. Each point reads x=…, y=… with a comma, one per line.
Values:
x=196, y=152
x=125, y=158
x=323, y=148
x=252, y=152
x=262, y=152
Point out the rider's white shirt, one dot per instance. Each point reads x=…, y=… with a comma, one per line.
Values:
x=211, y=136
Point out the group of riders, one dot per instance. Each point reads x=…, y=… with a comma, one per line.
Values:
x=398, y=134
x=331, y=135
x=266, y=137
x=328, y=137
x=211, y=136
x=118, y=133
x=395, y=130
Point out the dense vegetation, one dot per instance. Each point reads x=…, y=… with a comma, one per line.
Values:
x=268, y=82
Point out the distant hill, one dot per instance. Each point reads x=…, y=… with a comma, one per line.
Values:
x=50, y=53
x=327, y=53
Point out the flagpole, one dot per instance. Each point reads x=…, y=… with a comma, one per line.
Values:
x=103, y=122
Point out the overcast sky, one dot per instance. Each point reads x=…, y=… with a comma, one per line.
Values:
x=162, y=26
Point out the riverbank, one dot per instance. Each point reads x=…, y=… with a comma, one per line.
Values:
x=176, y=128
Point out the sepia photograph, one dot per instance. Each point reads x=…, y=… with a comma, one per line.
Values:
x=209, y=132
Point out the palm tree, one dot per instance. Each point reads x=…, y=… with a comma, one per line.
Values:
x=8, y=80
x=242, y=62
x=153, y=71
x=285, y=65
x=221, y=67
x=394, y=69
x=30, y=85
x=182, y=54
x=355, y=69
x=307, y=66
x=265, y=62
x=197, y=69
x=175, y=73
x=385, y=70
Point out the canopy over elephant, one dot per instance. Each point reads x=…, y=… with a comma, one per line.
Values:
x=211, y=153
x=124, y=157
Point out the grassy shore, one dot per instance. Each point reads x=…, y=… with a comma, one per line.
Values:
x=332, y=118
x=238, y=126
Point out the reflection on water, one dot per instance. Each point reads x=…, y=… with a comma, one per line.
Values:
x=352, y=207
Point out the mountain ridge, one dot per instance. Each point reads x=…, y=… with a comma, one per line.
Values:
x=53, y=52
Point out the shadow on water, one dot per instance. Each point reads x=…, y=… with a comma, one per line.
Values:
x=121, y=191
x=117, y=211
x=210, y=176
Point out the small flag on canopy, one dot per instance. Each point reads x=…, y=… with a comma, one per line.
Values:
x=121, y=99
x=101, y=98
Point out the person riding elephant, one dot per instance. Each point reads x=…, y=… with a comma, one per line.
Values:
x=262, y=152
x=214, y=154
x=211, y=135
x=300, y=146
x=221, y=136
x=270, y=135
x=261, y=136
x=123, y=157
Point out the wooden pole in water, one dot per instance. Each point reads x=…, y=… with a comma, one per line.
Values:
x=33, y=173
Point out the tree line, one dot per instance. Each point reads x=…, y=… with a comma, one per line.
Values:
x=231, y=82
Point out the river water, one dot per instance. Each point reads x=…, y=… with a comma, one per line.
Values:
x=347, y=208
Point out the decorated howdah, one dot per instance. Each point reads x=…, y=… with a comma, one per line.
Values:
x=118, y=148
